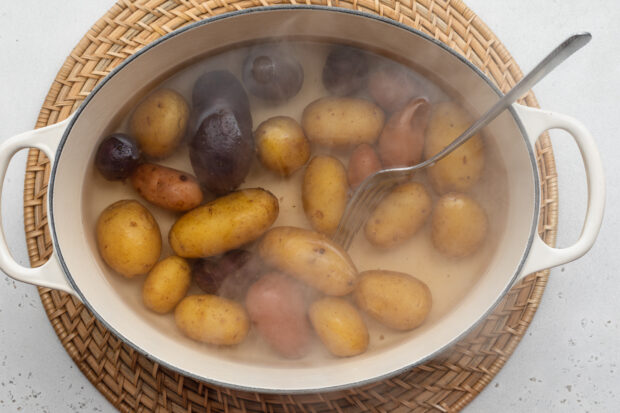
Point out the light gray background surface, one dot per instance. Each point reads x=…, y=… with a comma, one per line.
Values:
x=569, y=360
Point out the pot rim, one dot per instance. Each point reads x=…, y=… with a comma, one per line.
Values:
x=262, y=9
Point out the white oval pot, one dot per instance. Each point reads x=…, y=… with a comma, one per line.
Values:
x=76, y=267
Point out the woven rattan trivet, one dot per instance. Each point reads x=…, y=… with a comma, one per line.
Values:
x=129, y=380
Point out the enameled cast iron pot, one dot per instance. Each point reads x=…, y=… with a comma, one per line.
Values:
x=75, y=266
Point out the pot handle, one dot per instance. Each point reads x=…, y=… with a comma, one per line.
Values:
x=541, y=255
x=49, y=274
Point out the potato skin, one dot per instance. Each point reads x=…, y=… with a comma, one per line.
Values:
x=128, y=238
x=324, y=193
x=399, y=215
x=459, y=225
x=396, y=299
x=224, y=224
x=363, y=162
x=342, y=121
x=166, y=187
x=281, y=145
x=460, y=170
x=159, y=122
x=211, y=319
x=310, y=257
x=339, y=326
x=166, y=284
x=276, y=306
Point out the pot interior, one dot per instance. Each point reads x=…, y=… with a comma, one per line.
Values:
x=79, y=191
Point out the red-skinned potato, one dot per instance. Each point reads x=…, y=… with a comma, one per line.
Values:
x=392, y=87
x=363, y=163
x=402, y=140
x=276, y=306
x=166, y=187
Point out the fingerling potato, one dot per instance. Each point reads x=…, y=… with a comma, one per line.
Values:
x=159, y=122
x=166, y=284
x=339, y=326
x=212, y=319
x=342, y=121
x=399, y=216
x=166, y=187
x=396, y=299
x=324, y=193
x=224, y=224
x=310, y=257
x=459, y=225
x=460, y=170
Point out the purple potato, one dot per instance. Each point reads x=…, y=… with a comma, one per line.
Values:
x=117, y=157
x=271, y=73
x=222, y=150
x=230, y=276
x=345, y=71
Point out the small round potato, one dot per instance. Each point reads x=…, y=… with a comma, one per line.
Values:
x=310, y=257
x=399, y=215
x=342, y=121
x=166, y=284
x=128, y=238
x=363, y=162
x=281, y=144
x=159, y=122
x=398, y=300
x=460, y=170
x=324, y=193
x=211, y=319
x=339, y=326
x=459, y=225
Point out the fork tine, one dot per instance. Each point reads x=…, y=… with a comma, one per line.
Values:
x=360, y=208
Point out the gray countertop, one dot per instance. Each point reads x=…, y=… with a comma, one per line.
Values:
x=569, y=360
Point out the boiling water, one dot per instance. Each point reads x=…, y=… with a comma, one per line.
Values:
x=449, y=280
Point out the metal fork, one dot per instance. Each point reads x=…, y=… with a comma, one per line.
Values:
x=375, y=187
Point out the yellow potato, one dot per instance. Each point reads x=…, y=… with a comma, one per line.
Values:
x=342, y=121
x=224, y=224
x=159, y=122
x=166, y=284
x=281, y=145
x=339, y=326
x=459, y=225
x=310, y=257
x=128, y=238
x=399, y=215
x=324, y=193
x=460, y=170
x=211, y=319
x=398, y=300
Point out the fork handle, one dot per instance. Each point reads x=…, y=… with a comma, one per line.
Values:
x=550, y=62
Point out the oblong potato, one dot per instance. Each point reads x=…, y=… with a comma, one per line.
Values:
x=342, y=121
x=128, y=238
x=275, y=304
x=324, y=193
x=224, y=224
x=396, y=299
x=166, y=187
x=459, y=225
x=339, y=326
x=281, y=145
x=460, y=170
x=211, y=319
x=166, y=284
x=399, y=215
x=310, y=257
x=159, y=122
